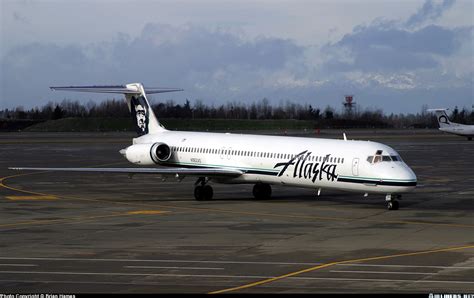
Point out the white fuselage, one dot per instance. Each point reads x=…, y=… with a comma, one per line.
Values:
x=458, y=129
x=293, y=161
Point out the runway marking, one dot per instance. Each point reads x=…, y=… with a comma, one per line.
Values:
x=231, y=262
x=133, y=274
x=228, y=262
x=184, y=268
x=406, y=266
x=19, y=265
x=146, y=212
x=72, y=220
x=383, y=272
x=30, y=198
x=298, y=278
x=227, y=276
x=292, y=274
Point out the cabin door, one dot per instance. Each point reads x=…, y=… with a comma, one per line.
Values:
x=355, y=167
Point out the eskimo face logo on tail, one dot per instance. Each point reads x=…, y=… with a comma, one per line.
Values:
x=443, y=119
x=140, y=114
x=309, y=170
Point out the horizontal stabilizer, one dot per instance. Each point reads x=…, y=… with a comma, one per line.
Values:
x=437, y=110
x=121, y=89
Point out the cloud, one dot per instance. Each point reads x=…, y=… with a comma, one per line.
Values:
x=188, y=56
x=385, y=64
x=430, y=11
x=380, y=48
x=20, y=18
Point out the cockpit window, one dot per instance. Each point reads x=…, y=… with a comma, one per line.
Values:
x=378, y=157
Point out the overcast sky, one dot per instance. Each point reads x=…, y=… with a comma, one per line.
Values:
x=393, y=55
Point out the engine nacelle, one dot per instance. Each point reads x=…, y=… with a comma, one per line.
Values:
x=147, y=154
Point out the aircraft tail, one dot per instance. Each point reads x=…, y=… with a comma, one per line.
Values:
x=443, y=119
x=142, y=114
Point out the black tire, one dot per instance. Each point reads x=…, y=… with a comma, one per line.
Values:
x=262, y=191
x=208, y=192
x=393, y=205
x=199, y=193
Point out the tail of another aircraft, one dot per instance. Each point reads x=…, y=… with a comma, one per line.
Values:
x=142, y=114
x=443, y=119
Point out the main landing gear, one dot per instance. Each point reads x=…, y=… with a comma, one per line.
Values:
x=392, y=203
x=262, y=191
x=203, y=191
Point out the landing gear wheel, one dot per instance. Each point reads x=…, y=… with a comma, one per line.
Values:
x=199, y=193
x=203, y=192
x=262, y=191
x=208, y=192
x=393, y=205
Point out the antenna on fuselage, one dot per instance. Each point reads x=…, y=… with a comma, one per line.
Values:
x=344, y=134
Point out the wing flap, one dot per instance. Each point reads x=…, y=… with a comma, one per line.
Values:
x=162, y=171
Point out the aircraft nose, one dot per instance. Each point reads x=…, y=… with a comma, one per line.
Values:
x=410, y=177
x=410, y=174
x=123, y=152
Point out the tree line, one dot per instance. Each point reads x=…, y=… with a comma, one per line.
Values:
x=262, y=110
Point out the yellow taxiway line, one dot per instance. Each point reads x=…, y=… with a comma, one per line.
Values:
x=269, y=280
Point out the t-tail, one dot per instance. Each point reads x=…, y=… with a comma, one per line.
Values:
x=443, y=119
x=143, y=117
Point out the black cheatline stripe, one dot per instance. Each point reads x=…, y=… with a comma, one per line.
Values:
x=261, y=172
x=199, y=166
x=389, y=183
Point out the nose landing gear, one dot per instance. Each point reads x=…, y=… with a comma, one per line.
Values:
x=392, y=203
x=203, y=191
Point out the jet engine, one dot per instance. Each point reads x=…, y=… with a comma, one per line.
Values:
x=147, y=154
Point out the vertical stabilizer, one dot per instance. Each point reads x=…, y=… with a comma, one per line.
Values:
x=443, y=119
x=144, y=119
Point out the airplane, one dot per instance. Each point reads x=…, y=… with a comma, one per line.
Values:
x=347, y=165
x=455, y=128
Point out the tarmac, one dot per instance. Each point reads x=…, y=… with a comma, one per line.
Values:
x=106, y=233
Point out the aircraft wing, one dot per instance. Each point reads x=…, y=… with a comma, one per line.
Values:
x=219, y=172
